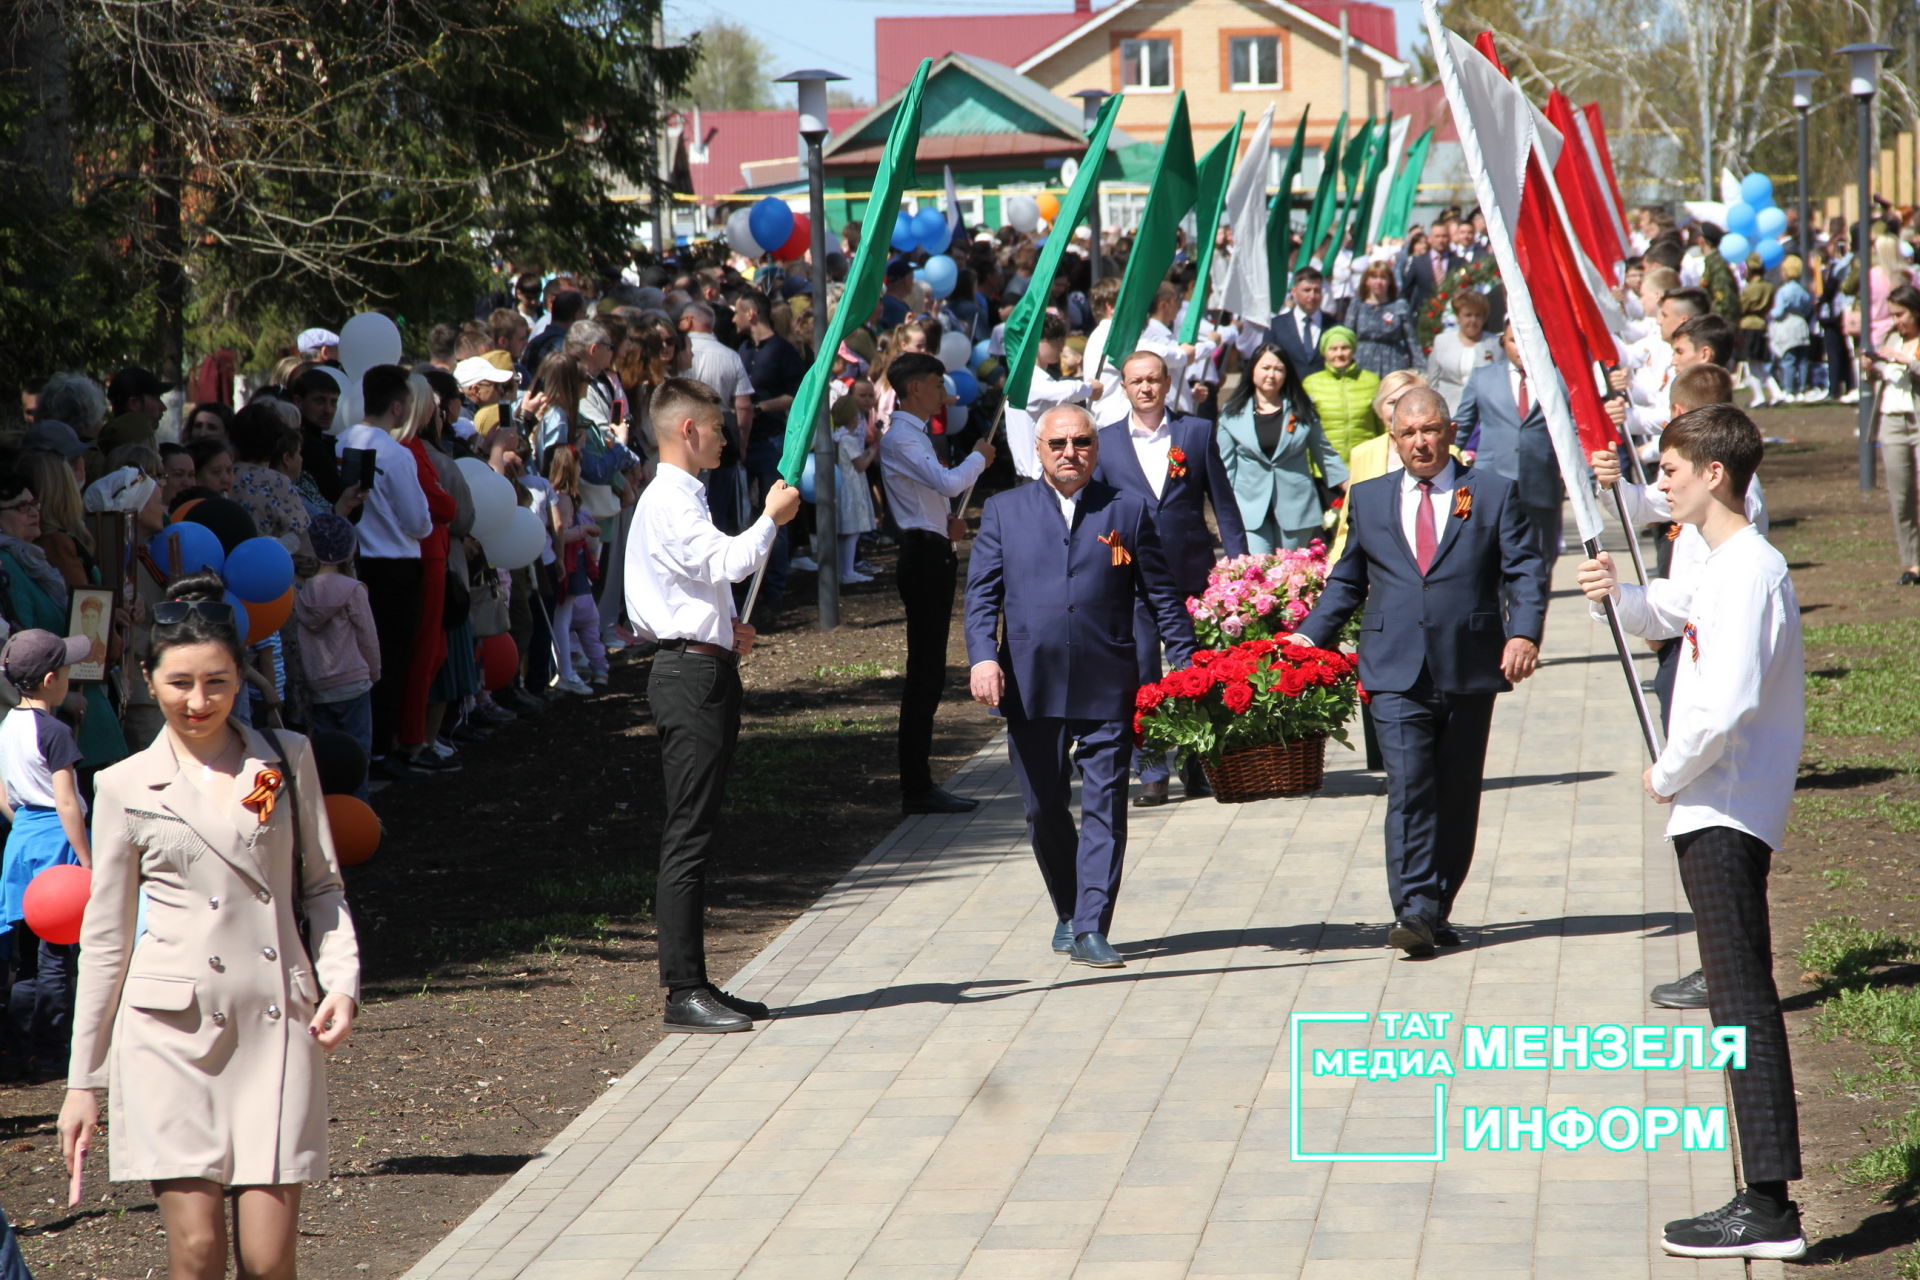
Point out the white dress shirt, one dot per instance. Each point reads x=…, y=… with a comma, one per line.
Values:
x=919, y=489
x=1043, y=393
x=680, y=569
x=1160, y=340
x=394, y=517
x=1739, y=697
x=1069, y=502
x=1442, y=504
x=1647, y=505
x=1151, y=445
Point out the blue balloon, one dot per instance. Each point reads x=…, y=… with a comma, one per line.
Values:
x=1771, y=252
x=1735, y=247
x=903, y=238
x=920, y=274
x=1770, y=222
x=771, y=223
x=807, y=480
x=199, y=549
x=1740, y=218
x=981, y=354
x=965, y=385
x=259, y=570
x=941, y=274
x=241, y=623
x=1757, y=190
x=930, y=230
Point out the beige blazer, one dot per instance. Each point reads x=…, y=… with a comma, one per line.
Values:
x=198, y=1025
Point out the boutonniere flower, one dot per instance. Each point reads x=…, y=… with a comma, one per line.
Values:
x=266, y=790
x=1462, y=503
x=1176, y=463
x=1120, y=554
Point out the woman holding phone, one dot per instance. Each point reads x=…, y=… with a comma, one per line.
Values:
x=210, y=1027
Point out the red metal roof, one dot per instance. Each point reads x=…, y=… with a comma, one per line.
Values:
x=1425, y=106
x=1012, y=38
x=736, y=138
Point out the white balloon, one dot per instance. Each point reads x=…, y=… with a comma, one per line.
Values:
x=955, y=350
x=493, y=497
x=740, y=234
x=517, y=543
x=347, y=411
x=367, y=340
x=1023, y=213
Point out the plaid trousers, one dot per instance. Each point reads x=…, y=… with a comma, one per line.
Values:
x=1724, y=872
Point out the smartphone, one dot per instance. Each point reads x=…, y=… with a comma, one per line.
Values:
x=356, y=468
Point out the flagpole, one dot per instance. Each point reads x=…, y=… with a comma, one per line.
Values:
x=1532, y=340
x=1000, y=417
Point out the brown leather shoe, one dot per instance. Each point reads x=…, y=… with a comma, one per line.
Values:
x=1152, y=794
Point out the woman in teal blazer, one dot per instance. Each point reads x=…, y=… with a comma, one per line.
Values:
x=1273, y=448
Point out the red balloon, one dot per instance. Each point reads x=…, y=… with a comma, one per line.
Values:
x=356, y=829
x=798, y=243
x=55, y=902
x=499, y=660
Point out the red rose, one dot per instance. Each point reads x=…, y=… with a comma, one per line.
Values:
x=1149, y=697
x=1139, y=732
x=1238, y=698
x=1204, y=657
x=1366, y=699
x=1291, y=683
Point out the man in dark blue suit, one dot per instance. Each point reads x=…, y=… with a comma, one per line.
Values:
x=1500, y=423
x=1057, y=570
x=1429, y=550
x=1426, y=271
x=1297, y=330
x=1169, y=462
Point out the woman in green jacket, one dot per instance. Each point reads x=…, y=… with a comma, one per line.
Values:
x=1342, y=393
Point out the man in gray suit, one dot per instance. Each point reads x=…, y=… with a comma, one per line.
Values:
x=1502, y=428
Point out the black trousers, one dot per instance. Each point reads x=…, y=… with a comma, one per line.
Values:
x=928, y=570
x=1435, y=748
x=696, y=708
x=1724, y=872
x=393, y=587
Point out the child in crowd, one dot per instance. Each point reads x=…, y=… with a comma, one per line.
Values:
x=38, y=755
x=858, y=444
x=575, y=541
x=338, y=648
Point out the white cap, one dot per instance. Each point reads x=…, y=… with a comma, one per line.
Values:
x=311, y=340
x=480, y=369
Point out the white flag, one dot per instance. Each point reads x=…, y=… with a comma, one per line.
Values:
x=1383, y=190
x=1247, y=292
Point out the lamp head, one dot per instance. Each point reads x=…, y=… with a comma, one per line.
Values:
x=1802, y=87
x=1863, y=70
x=812, y=84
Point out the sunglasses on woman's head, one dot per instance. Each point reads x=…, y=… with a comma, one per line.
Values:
x=173, y=612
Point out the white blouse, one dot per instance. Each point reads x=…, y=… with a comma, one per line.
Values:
x=1453, y=361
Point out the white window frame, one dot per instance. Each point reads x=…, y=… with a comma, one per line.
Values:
x=1279, y=75
x=1121, y=211
x=1146, y=65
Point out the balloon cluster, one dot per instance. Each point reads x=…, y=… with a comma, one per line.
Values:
x=768, y=228
x=1755, y=224
x=342, y=765
x=259, y=571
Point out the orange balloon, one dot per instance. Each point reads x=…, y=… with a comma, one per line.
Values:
x=54, y=903
x=1049, y=205
x=265, y=619
x=356, y=829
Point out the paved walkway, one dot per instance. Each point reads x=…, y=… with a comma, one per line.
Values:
x=944, y=1097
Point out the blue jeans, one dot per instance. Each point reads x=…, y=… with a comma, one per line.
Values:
x=351, y=716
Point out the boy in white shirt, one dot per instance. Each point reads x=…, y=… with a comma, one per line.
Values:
x=1728, y=770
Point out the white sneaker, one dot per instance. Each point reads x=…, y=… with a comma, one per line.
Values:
x=854, y=579
x=1852, y=397
x=572, y=684
x=804, y=564
x=599, y=679
x=444, y=749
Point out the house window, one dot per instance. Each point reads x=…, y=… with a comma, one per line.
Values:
x=1255, y=62
x=1311, y=162
x=1146, y=65
x=1121, y=211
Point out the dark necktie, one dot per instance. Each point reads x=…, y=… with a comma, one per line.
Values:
x=1424, y=539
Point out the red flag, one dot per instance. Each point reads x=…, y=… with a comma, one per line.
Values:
x=1574, y=175
x=1574, y=328
x=1599, y=128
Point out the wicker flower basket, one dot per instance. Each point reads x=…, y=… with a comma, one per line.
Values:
x=1261, y=773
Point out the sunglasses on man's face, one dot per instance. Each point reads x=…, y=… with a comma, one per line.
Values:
x=170, y=613
x=1060, y=444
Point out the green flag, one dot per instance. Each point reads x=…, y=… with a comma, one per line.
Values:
x=1022, y=333
x=1168, y=200
x=1210, y=181
x=1280, y=220
x=1370, y=184
x=1320, y=214
x=1406, y=187
x=864, y=277
x=1355, y=159
x=1360, y=159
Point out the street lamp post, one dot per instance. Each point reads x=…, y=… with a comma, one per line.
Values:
x=1802, y=104
x=1090, y=100
x=1863, y=81
x=812, y=85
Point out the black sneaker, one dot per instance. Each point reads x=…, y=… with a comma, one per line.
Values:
x=1741, y=1228
x=1689, y=992
x=751, y=1008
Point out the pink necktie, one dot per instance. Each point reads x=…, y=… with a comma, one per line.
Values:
x=1525, y=401
x=1424, y=539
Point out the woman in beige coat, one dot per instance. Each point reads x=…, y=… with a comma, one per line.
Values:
x=209, y=1029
